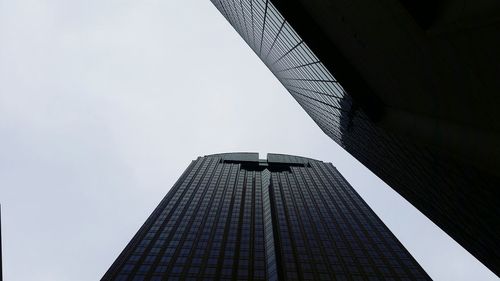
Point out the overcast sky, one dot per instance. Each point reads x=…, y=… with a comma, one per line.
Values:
x=104, y=103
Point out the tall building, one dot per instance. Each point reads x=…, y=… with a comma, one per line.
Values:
x=235, y=217
x=404, y=88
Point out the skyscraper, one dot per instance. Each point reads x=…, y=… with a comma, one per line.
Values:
x=237, y=217
x=415, y=118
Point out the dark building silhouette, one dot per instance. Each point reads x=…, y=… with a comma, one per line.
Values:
x=235, y=217
x=409, y=88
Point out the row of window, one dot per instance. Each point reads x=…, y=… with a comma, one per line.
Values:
x=322, y=225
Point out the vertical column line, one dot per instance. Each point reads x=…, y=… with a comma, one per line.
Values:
x=270, y=235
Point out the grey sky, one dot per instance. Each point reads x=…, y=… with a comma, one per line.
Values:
x=103, y=104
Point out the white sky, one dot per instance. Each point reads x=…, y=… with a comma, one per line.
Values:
x=103, y=104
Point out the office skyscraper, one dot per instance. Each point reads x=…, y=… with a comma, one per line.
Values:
x=235, y=217
x=435, y=143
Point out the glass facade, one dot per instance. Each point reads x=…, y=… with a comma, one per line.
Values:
x=235, y=217
x=290, y=59
x=459, y=198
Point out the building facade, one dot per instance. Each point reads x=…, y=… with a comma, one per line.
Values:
x=236, y=217
x=445, y=171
